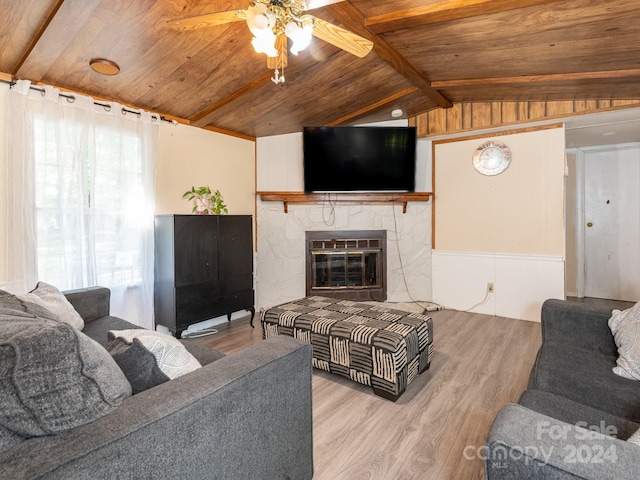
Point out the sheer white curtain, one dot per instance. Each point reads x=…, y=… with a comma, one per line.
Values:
x=80, y=197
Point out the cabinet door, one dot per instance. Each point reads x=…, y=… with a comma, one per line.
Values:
x=196, y=258
x=236, y=246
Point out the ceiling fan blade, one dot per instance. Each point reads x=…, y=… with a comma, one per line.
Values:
x=208, y=20
x=311, y=4
x=341, y=38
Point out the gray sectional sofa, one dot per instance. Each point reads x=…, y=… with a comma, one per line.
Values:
x=245, y=416
x=575, y=417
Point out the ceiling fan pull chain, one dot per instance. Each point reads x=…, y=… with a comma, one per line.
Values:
x=277, y=78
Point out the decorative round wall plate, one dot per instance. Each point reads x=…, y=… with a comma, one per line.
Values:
x=491, y=158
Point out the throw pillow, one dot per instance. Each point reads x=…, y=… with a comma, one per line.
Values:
x=138, y=364
x=172, y=358
x=52, y=377
x=625, y=327
x=635, y=438
x=54, y=300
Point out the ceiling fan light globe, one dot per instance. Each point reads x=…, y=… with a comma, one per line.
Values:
x=261, y=21
x=291, y=29
x=250, y=16
x=265, y=44
x=301, y=37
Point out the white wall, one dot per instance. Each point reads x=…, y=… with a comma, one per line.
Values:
x=571, y=226
x=190, y=156
x=521, y=282
x=519, y=211
x=279, y=163
x=506, y=229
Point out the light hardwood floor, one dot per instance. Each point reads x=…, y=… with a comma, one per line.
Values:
x=437, y=427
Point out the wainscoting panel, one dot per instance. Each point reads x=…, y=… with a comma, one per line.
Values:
x=459, y=280
x=521, y=282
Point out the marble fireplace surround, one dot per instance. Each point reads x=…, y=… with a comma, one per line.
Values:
x=281, y=253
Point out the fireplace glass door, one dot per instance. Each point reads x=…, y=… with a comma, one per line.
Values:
x=359, y=269
x=347, y=264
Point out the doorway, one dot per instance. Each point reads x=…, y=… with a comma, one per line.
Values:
x=607, y=222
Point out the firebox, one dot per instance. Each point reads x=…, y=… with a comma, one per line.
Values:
x=347, y=264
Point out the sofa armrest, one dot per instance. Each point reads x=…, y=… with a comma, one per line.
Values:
x=578, y=324
x=247, y=415
x=91, y=303
x=526, y=444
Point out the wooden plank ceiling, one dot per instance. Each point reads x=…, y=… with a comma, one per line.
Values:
x=428, y=54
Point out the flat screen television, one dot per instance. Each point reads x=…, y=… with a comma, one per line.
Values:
x=347, y=159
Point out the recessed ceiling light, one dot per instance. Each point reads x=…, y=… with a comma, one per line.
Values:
x=397, y=113
x=104, y=67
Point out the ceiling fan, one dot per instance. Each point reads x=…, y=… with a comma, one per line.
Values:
x=272, y=22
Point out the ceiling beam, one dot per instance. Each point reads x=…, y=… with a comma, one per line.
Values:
x=555, y=78
x=38, y=34
x=230, y=133
x=65, y=21
x=353, y=20
x=444, y=11
x=370, y=108
x=205, y=116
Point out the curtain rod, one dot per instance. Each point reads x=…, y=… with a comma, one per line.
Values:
x=72, y=98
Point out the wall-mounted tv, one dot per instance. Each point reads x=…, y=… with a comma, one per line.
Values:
x=347, y=159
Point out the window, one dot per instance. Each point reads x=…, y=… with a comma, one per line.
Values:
x=92, y=180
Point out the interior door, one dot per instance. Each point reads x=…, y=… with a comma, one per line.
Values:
x=612, y=223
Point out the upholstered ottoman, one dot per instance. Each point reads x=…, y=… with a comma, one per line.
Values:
x=373, y=345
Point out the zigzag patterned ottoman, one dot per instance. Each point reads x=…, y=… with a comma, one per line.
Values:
x=370, y=344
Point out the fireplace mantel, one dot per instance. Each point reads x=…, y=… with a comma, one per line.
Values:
x=352, y=198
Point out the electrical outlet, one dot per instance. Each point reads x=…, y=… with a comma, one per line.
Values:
x=490, y=287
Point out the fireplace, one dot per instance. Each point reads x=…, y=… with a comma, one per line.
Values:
x=348, y=264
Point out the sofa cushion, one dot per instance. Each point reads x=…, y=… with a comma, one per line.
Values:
x=52, y=377
x=9, y=438
x=99, y=329
x=585, y=377
x=52, y=299
x=581, y=325
x=625, y=326
x=205, y=355
x=171, y=357
x=578, y=414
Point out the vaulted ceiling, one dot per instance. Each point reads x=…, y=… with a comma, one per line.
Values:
x=427, y=54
